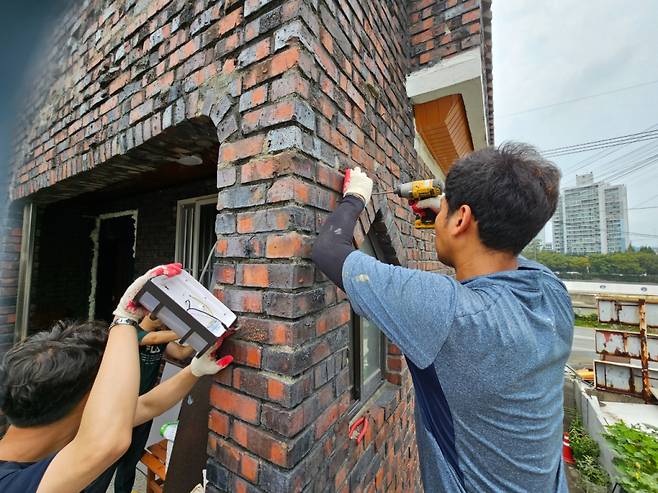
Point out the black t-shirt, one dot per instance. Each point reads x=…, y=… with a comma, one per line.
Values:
x=22, y=477
x=150, y=358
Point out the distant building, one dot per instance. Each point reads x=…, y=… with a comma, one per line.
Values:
x=591, y=217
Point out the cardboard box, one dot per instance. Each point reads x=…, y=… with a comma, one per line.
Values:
x=187, y=308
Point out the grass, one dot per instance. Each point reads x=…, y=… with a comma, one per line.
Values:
x=592, y=321
x=586, y=453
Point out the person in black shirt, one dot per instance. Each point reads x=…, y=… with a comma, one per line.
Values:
x=155, y=340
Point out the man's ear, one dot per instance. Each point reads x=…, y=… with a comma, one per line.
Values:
x=463, y=219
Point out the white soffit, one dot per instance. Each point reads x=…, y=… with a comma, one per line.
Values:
x=459, y=74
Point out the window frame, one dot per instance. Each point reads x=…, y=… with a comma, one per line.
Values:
x=363, y=390
x=198, y=202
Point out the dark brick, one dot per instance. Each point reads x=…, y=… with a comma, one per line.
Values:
x=293, y=305
x=240, y=197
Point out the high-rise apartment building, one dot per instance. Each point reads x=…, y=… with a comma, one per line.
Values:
x=591, y=217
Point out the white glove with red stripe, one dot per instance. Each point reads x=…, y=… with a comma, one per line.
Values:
x=127, y=307
x=208, y=365
x=433, y=203
x=357, y=183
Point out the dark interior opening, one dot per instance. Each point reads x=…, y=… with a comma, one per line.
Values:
x=116, y=263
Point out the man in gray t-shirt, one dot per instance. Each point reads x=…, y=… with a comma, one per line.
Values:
x=487, y=349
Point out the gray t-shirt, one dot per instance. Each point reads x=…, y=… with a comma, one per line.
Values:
x=487, y=358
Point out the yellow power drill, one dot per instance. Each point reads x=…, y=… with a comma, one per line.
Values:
x=420, y=190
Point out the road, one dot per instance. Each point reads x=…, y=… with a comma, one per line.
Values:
x=582, y=349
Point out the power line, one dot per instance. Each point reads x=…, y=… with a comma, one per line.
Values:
x=642, y=208
x=605, y=153
x=604, y=169
x=641, y=234
x=602, y=145
x=636, y=167
x=598, y=147
x=633, y=135
x=594, y=146
x=569, y=101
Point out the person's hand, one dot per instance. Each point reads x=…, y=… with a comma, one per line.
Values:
x=357, y=183
x=149, y=323
x=207, y=364
x=433, y=204
x=127, y=307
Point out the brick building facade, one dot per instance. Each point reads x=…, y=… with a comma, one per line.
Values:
x=149, y=114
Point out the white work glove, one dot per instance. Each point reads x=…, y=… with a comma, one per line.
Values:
x=357, y=183
x=433, y=203
x=208, y=365
x=127, y=307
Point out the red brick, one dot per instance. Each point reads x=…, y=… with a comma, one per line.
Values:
x=225, y=273
x=253, y=98
x=218, y=422
x=276, y=113
x=394, y=363
x=233, y=151
x=281, y=332
x=244, y=353
x=249, y=468
x=240, y=300
x=471, y=16
x=326, y=419
x=273, y=66
x=288, y=245
x=254, y=275
x=235, y=404
x=240, y=247
x=275, y=390
x=292, y=82
x=333, y=318
x=119, y=82
x=229, y=21
x=281, y=164
x=260, y=443
x=228, y=454
x=330, y=177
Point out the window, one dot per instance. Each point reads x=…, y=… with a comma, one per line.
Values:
x=368, y=343
x=195, y=236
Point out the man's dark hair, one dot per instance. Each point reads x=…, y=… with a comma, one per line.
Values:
x=46, y=376
x=511, y=190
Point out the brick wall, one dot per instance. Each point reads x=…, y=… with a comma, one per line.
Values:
x=440, y=29
x=10, y=246
x=325, y=91
x=296, y=91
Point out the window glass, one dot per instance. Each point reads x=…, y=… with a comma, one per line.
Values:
x=368, y=345
x=195, y=236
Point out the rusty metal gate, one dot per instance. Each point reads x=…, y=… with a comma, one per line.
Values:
x=628, y=378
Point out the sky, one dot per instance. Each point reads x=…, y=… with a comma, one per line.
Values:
x=23, y=25
x=551, y=52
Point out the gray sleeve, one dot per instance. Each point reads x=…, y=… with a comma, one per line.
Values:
x=415, y=309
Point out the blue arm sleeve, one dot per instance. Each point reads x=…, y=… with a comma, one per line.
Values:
x=415, y=309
